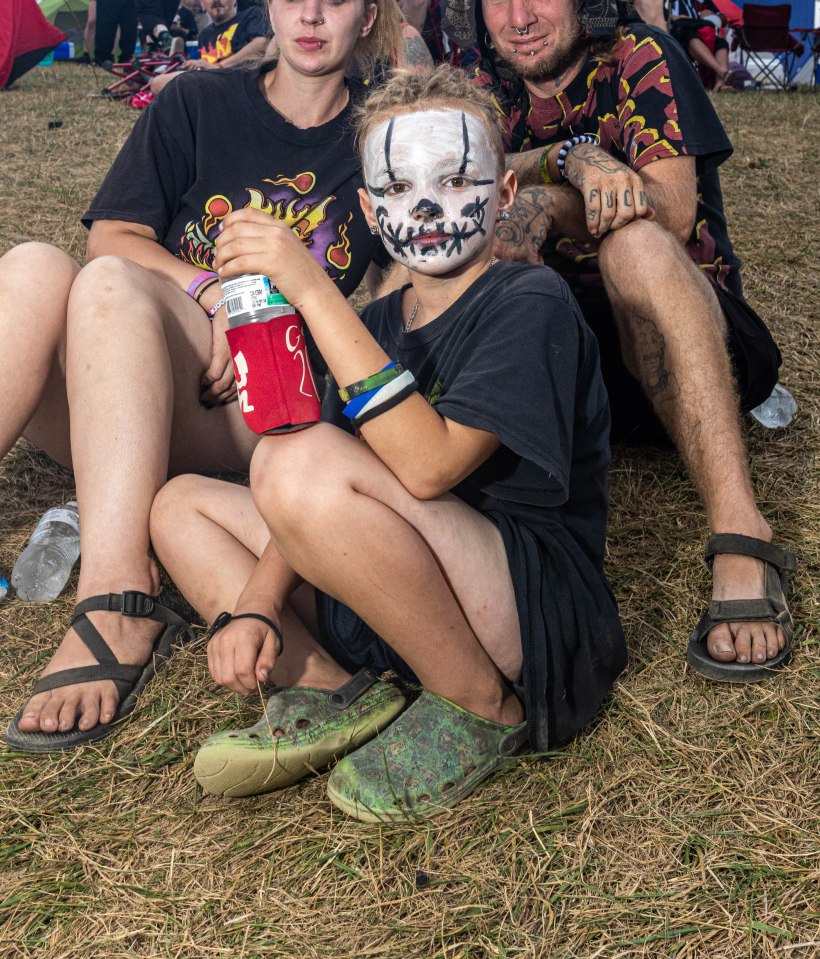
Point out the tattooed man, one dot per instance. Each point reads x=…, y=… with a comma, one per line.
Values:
x=616, y=148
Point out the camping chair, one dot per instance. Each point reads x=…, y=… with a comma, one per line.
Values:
x=765, y=30
x=135, y=76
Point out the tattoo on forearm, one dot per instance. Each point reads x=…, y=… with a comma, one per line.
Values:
x=416, y=53
x=528, y=222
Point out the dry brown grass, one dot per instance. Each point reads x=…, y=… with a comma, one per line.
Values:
x=685, y=824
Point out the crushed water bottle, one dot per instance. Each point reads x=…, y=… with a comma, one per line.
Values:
x=778, y=410
x=43, y=568
x=4, y=588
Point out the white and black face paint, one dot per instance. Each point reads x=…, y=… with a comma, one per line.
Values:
x=432, y=178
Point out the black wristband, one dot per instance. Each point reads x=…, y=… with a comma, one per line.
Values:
x=223, y=619
x=204, y=287
x=387, y=405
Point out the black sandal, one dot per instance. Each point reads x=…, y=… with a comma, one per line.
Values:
x=773, y=609
x=129, y=680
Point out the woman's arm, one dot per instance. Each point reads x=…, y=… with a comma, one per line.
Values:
x=428, y=453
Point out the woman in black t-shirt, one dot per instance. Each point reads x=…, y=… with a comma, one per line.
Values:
x=139, y=333
x=460, y=545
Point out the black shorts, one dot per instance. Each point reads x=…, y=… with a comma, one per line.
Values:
x=354, y=645
x=754, y=355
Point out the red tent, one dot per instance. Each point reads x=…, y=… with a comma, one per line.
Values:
x=25, y=38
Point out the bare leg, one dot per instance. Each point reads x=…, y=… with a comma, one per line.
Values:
x=673, y=339
x=196, y=519
x=430, y=577
x=137, y=347
x=698, y=51
x=33, y=334
x=90, y=28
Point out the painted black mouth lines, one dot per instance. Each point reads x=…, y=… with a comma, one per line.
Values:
x=405, y=242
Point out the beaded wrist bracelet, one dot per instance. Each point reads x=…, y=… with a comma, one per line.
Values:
x=569, y=144
x=216, y=307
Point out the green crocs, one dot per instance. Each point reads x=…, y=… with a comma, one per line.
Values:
x=430, y=759
x=301, y=730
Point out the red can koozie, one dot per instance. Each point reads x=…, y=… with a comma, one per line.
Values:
x=277, y=390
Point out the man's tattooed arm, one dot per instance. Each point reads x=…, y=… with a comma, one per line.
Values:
x=538, y=211
x=414, y=55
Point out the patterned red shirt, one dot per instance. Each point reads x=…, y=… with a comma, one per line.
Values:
x=647, y=104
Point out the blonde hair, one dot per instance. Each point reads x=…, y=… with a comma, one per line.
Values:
x=443, y=88
x=380, y=46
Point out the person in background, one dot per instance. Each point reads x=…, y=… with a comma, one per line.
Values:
x=88, y=33
x=426, y=17
x=185, y=23
x=114, y=16
x=228, y=40
x=155, y=17
x=695, y=35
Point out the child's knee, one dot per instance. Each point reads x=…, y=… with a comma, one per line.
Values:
x=175, y=501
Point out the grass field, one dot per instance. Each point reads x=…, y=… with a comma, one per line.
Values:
x=685, y=824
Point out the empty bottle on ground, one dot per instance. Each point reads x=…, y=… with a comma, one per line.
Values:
x=43, y=568
x=778, y=410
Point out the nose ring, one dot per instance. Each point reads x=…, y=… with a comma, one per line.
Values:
x=524, y=32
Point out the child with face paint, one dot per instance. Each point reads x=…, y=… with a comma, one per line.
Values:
x=457, y=540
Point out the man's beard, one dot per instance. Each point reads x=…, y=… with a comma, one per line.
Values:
x=542, y=68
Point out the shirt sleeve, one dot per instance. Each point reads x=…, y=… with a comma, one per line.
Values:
x=517, y=375
x=662, y=109
x=252, y=24
x=155, y=167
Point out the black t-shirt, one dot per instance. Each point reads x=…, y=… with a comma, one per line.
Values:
x=211, y=143
x=647, y=104
x=218, y=42
x=185, y=24
x=513, y=356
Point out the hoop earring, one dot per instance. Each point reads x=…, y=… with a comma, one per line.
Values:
x=488, y=43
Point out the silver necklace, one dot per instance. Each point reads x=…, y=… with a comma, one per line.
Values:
x=409, y=324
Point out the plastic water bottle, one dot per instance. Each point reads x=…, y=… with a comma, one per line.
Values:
x=252, y=298
x=778, y=410
x=43, y=568
x=4, y=588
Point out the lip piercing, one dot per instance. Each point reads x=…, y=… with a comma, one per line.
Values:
x=524, y=32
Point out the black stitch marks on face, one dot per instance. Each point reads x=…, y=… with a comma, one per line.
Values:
x=476, y=208
x=405, y=243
